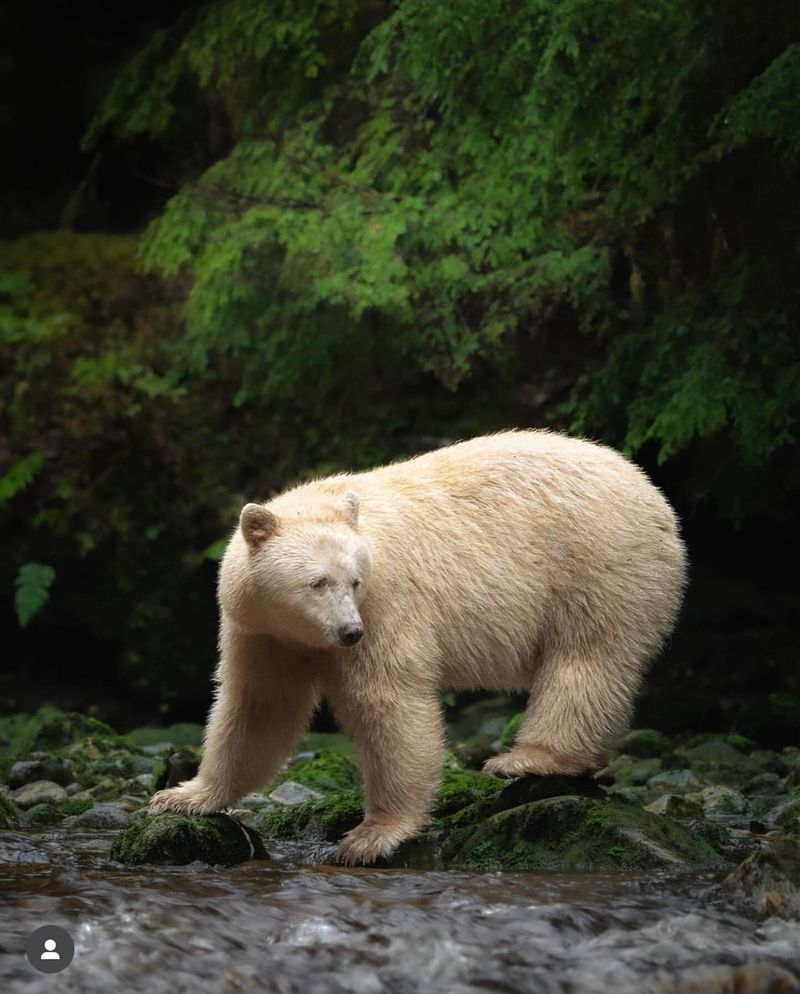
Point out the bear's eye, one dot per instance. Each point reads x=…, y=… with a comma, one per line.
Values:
x=319, y=583
x=356, y=583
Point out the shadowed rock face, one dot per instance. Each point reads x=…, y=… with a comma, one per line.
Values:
x=768, y=882
x=175, y=839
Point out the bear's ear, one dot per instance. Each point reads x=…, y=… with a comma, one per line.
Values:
x=257, y=524
x=348, y=505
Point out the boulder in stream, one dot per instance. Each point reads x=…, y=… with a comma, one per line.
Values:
x=177, y=839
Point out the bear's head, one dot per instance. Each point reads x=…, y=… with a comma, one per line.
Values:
x=297, y=577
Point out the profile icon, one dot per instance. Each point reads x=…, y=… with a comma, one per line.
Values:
x=49, y=949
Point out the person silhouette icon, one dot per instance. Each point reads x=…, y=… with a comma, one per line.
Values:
x=50, y=950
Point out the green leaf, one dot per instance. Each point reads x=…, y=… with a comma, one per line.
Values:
x=33, y=590
x=20, y=475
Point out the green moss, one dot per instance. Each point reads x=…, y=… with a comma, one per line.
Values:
x=176, y=839
x=182, y=733
x=645, y=743
x=327, y=819
x=509, y=734
x=575, y=833
x=327, y=772
x=463, y=788
x=43, y=814
x=9, y=813
x=75, y=806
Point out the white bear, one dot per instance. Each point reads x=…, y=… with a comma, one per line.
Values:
x=518, y=561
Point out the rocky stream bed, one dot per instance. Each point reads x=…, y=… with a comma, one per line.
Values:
x=678, y=864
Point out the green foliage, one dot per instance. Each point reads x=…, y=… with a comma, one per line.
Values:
x=396, y=224
x=33, y=590
x=479, y=170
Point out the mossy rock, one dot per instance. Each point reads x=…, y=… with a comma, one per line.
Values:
x=9, y=813
x=728, y=760
x=43, y=814
x=75, y=806
x=177, y=839
x=461, y=788
x=327, y=772
x=768, y=882
x=644, y=743
x=49, y=729
x=327, y=819
x=578, y=834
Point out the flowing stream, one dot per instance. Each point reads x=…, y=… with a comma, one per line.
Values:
x=286, y=927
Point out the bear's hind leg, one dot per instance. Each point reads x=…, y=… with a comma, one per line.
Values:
x=578, y=703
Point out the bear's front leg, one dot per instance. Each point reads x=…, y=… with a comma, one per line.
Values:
x=400, y=743
x=263, y=706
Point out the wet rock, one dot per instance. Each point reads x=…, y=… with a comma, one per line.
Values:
x=50, y=768
x=575, y=833
x=16, y=850
x=40, y=792
x=180, y=765
x=768, y=882
x=674, y=782
x=176, y=839
x=101, y=816
x=472, y=751
x=629, y=771
x=256, y=802
x=643, y=743
x=720, y=803
x=786, y=814
x=73, y=788
x=676, y=806
x=291, y=793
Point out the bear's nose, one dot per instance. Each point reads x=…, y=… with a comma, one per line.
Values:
x=350, y=634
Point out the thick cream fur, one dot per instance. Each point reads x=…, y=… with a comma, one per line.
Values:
x=518, y=561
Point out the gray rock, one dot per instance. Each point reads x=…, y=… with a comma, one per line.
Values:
x=255, y=802
x=157, y=747
x=676, y=806
x=73, y=789
x=786, y=814
x=16, y=850
x=105, y=786
x=308, y=754
x=40, y=792
x=637, y=795
x=765, y=784
x=290, y=793
x=675, y=782
x=720, y=803
x=101, y=816
x=50, y=768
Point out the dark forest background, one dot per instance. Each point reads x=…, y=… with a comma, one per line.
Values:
x=244, y=243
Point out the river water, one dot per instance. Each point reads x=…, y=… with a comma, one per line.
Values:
x=287, y=927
